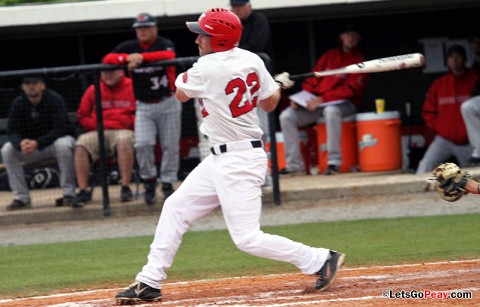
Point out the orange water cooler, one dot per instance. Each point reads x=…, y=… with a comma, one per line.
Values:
x=280, y=151
x=379, y=141
x=348, y=145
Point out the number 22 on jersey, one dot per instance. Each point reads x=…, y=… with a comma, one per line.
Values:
x=245, y=99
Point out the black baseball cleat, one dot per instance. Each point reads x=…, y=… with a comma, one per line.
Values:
x=329, y=270
x=137, y=292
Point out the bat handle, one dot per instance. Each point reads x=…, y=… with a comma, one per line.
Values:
x=302, y=76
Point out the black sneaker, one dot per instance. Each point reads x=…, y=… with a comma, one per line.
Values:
x=82, y=198
x=138, y=291
x=329, y=270
x=167, y=189
x=65, y=201
x=150, y=196
x=125, y=194
x=18, y=205
x=332, y=170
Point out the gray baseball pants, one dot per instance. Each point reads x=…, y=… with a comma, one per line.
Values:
x=439, y=151
x=61, y=150
x=291, y=119
x=163, y=120
x=471, y=115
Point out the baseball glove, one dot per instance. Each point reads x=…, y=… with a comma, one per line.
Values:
x=450, y=181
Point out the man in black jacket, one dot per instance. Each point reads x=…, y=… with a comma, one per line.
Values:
x=256, y=34
x=37, y=129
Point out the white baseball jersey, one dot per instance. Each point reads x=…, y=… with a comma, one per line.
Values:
x=244, y=81
x=230, y=84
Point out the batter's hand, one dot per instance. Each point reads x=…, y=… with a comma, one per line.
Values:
x=284, y=80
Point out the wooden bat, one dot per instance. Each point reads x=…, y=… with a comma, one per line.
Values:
x=397, y=62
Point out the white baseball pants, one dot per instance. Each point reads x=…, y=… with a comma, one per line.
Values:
x=233, y=181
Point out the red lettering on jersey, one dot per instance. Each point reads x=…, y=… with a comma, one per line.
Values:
x=184, y=77
x=236, y=106
x=204, y=112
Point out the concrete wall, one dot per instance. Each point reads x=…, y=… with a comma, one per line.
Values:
x=117, y=9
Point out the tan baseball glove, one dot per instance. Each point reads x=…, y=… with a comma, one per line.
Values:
x=450, y=181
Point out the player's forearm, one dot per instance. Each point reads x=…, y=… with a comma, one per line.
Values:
x=181, y=96
x=269, y=104
x=473, y=186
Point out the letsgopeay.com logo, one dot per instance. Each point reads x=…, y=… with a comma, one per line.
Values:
x=367, y=141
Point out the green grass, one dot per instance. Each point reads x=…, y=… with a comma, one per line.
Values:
x=40, y=269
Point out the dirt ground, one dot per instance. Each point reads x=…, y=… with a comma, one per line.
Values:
x=432, y=284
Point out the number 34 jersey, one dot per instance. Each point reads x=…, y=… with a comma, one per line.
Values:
x=229, y=86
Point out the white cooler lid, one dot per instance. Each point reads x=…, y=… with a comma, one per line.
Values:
x=377, y=116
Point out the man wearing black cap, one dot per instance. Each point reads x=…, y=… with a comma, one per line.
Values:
x=337, y=96
x=37, y=129
x=256, y=35
x=441, y=112
x=158, y=112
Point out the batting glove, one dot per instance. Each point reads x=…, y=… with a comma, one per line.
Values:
x=284, y=80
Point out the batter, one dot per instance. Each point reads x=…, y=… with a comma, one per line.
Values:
x=230, y=83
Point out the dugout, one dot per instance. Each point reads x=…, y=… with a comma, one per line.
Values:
x=301, y=32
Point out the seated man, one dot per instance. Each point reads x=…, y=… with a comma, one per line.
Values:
x=441, y=112
x=37, y=130
x=118, y=107
x=337, y=96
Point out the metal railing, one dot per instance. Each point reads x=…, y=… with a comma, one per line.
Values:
x=93, y=71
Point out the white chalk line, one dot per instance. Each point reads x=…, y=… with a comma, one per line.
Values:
x=245, y=277
x=236, y=301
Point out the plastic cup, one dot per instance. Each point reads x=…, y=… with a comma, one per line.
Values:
x=380, y=105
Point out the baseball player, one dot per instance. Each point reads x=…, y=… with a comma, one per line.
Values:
x=230, y=83
x=452, y=182
x=158, y=112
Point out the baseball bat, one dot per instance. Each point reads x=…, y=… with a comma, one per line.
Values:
x=397, y=62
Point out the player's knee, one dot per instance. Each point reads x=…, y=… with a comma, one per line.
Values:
x=7, y=151
x=286, y=117
x=248, y=243
x=467, y=107
x=64, y=144
x=331, y=111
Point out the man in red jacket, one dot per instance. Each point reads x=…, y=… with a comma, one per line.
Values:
x=337, y=96
x=118, y=107
x=158, y=113
x=442, y=112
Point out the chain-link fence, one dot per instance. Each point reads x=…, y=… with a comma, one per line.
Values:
x=80, y=110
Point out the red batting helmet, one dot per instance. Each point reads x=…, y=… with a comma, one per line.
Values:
x=223, y=26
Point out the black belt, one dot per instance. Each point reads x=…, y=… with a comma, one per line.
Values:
x=223, y=147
